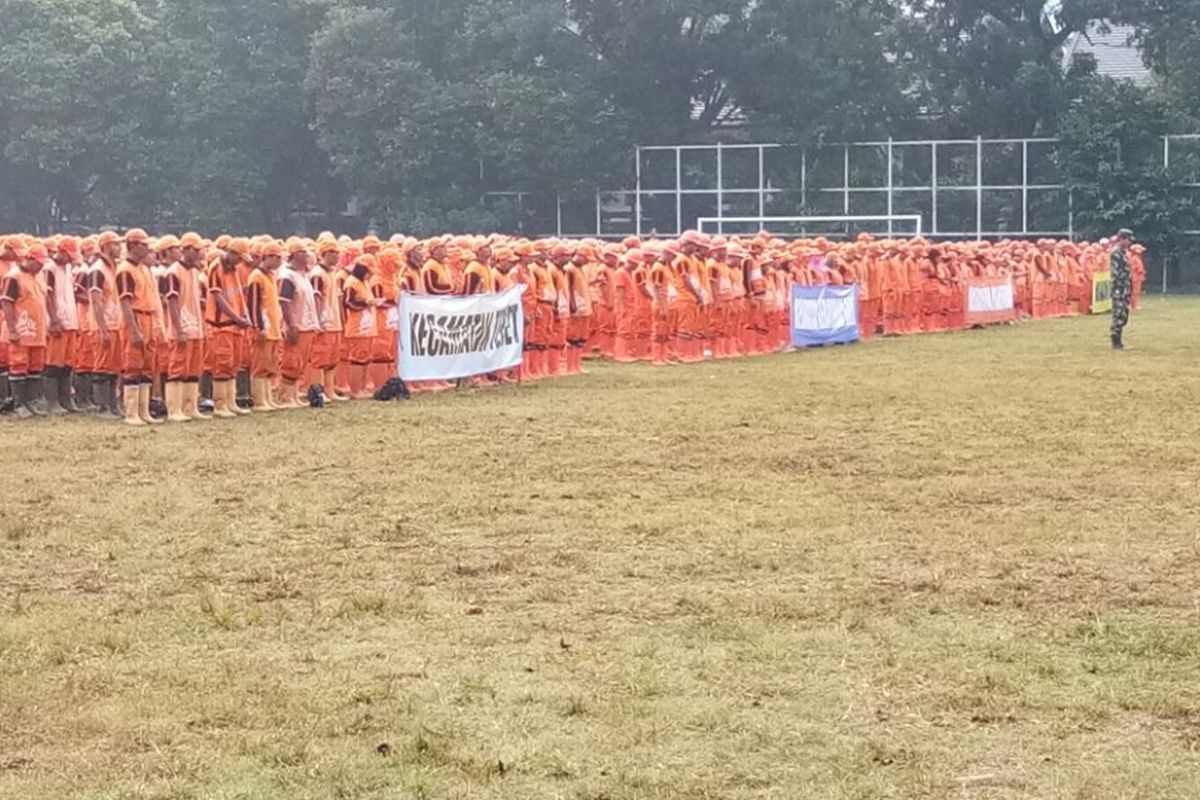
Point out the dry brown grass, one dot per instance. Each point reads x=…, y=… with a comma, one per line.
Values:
x=948, y=566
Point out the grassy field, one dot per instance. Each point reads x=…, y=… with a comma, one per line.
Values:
x=961, y=565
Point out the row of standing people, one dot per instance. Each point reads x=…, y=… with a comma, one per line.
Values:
x=108, y=322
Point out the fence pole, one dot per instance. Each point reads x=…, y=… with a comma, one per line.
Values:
x=637, y=196
x=720, y=189
x=678, y=191
x=890, y=187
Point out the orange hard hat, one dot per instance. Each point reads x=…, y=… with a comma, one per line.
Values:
x=239, y=246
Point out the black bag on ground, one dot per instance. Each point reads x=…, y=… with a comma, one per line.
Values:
x=394, y=389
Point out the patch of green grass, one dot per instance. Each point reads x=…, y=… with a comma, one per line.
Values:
x=940, y=566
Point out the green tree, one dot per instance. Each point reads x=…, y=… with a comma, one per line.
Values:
x=994, y=67
x=231, y=115
x=71, y=88
x=808, y=70
x=1112, y=160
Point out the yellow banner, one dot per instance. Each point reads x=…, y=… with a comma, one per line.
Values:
x=1101, y=292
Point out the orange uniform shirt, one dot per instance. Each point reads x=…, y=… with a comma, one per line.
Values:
x=183, y=285
x=262, y=305
x=360, y=323
x=436, y=278
x=27, y=294
x=230, y=284
x=578, y=291
x=481, y=276
x=136, y=284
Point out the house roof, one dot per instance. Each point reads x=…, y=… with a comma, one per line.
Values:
x=1116, y=53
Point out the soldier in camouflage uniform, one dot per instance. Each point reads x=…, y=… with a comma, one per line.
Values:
x=1122, y=287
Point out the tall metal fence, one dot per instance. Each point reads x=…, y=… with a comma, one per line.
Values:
x=962, y=188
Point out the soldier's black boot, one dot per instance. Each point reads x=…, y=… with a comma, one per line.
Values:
x=1117, y=343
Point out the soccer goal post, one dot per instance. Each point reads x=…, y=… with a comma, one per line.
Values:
x=833, y=227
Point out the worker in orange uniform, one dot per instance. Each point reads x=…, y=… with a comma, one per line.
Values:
x=137, y=293
x=756, y=292
x=664, y=283
x=601, y=271
x=266, y=320
x=580, y=310
x=184, y=317
x=361, y=323
x=327, y=345
x=523, y=272
x=26, y=321
x=85, y=348
x=478, y=279
x=692, y=248
x=502, y=261
x=298, y=304
x=106, y=313
x=1137, y=266
x=386, y=287
x=437, y=278
x=63, y=332
x=625, y=303
x=226, y=322
x=687, y=302
x=644, y=314
x=558, y=257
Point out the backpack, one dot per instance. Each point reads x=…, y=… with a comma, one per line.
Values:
x=394, y=389
x=316, y=396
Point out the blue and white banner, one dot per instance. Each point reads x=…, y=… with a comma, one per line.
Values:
x=824, y=315
x=444, y=338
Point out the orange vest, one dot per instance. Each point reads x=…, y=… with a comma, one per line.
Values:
x=625, y=292
x=436, y=278
x=360, y=322
x=577, y=290
x=756, y=278
x=329, y=299
x=684, y=269
x=104, y=284
x=228, y=283
x=487, y=284
x=183, y=284
x=135, y=283
x=562, y=303
x=263, y=304
x=525, y=274
x=500, y=281
x=29, y=306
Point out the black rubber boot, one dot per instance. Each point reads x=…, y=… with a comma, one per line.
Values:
x=51, y=382
x=65, y=398
x=1117, y=344
x=104, y=388
x=35, y=391
x=83, y=393
x=6, y=397
x=20, y=391
x=244, y=400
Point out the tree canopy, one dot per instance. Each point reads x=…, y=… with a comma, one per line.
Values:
x=241, y=113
